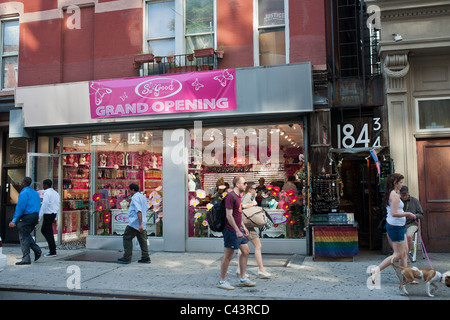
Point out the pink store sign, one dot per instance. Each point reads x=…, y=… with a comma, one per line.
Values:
x=204, y=91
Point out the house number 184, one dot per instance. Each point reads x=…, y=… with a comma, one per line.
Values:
x=346, y=136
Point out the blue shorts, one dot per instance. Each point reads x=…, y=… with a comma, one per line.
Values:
x=231, y=241
x=395, y=233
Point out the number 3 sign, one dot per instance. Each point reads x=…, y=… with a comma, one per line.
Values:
x=346, y=135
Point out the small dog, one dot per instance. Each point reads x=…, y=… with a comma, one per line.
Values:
x=430, y=276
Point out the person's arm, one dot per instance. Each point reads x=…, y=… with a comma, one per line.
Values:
x=141, y=227
x=44, y=205
x=20, y=207
x=419, y=210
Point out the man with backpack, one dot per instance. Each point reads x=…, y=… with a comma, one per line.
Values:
x=234, y=236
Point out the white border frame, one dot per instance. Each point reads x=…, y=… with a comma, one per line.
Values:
x=416, y=109
x=256, y=33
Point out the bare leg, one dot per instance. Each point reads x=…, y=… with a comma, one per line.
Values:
x=228, y=254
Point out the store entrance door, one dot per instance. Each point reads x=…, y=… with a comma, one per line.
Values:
x=41, y=166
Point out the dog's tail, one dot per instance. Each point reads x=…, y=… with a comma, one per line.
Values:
x=394, y=265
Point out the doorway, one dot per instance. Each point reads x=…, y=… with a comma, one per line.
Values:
x=434, y=190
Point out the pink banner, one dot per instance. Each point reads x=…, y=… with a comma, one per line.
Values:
x=186, y=92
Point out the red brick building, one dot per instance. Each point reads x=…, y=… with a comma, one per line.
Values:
x=51, y=49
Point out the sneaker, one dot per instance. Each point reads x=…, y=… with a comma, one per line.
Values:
x=50, y=255
x=225, y=285
x=246, y=283
x=238, y=273
x=144, y=260
x=264, y=275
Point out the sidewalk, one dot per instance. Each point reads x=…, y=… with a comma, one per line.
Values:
x=194, y=275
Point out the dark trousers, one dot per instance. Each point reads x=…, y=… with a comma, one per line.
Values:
x=128, y=236
x=47, y=231
x=26, y=225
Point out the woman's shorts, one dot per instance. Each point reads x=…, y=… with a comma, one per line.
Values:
x=395, y=233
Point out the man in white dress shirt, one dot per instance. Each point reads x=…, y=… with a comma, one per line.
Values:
x=137, y=215
x=49, y=210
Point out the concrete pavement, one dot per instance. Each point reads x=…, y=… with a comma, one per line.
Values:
x=194, y=275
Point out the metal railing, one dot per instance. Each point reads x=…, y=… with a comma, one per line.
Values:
x=177, y=64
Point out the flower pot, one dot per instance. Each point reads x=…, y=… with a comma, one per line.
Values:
x=158, y=59
x=200, y=53
x=170, y=59
x=190, y=57
x=204, y=67
x=219, y=54
x=143, y=58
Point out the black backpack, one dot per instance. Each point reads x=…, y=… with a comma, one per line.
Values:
x=216, y=216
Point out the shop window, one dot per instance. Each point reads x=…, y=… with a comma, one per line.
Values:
x=9, y=53
x=76, y=189
x=123, y=159
x=271, y=32
x=272, y=155
x=433, y=114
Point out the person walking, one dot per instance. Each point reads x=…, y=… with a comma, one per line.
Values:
x=234, y=236
x=49, y=211
x=395, y=224
x=248, y=201
x=26, y=217
x=137, y=216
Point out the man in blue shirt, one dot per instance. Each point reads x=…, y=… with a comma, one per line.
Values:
x=137, y=215
x=26, y=217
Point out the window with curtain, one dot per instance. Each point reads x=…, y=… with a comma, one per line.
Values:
x=271, y=32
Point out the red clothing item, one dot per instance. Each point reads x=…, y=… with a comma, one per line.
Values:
x=236, y=205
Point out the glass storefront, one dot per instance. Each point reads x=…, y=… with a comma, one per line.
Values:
x=97, y=170
x=269, y=157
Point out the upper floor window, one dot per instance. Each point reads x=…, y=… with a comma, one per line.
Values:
x=433, y=114
x=271, y=32
x=9, y=53
x=179, y=26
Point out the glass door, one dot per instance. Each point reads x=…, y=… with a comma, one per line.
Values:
x=42, y=166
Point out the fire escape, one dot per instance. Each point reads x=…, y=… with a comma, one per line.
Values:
x=356, y=73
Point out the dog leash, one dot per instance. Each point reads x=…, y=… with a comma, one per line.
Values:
x=423, y=245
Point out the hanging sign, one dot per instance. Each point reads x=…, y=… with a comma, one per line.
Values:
x=204, y=91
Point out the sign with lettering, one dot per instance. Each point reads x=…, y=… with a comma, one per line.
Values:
x=204, y=91
x=359, y=133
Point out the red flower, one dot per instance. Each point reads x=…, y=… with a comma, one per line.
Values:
x=106, y=217
x=274, y=193
x=290, y=192
x=277, y=189
x=269, y=187
x=293, y=199
x=291, y=222
x=285, y=206
x=112, y=201
x=287, y=214
x=97, y=196
x=100, y=207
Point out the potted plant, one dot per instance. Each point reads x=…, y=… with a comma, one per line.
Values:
x=206, y=52
x=158, y=59
x=190, y=57
x=220, y=51
x=169, y=59
x=143, y=58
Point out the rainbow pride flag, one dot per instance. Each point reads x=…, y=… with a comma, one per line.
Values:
x=335, y=241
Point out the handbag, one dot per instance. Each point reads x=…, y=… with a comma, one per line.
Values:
x=254, y=217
